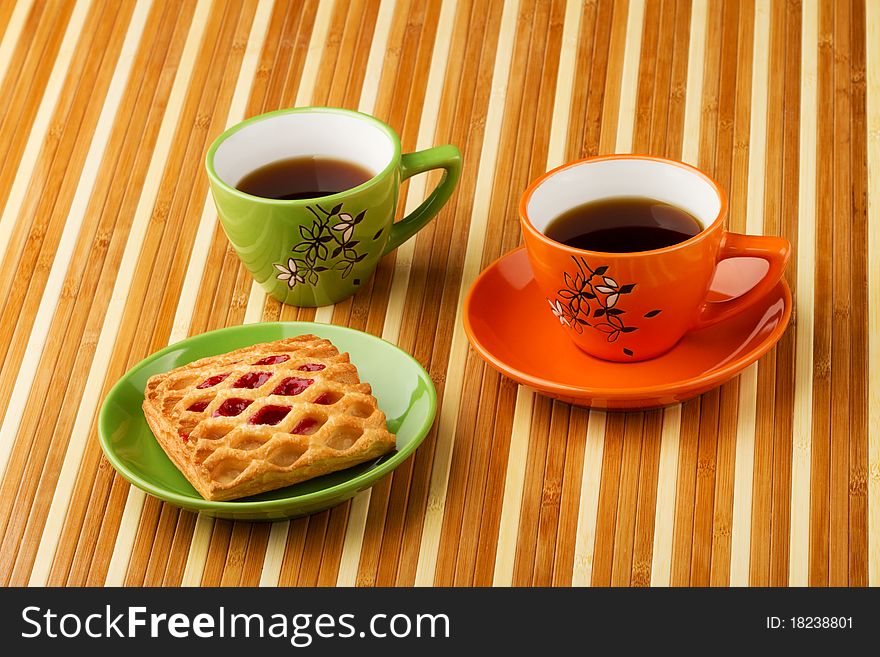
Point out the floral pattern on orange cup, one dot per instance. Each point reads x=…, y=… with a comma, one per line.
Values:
x=592, y=299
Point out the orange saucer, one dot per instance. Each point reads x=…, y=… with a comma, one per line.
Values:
x=510, y=325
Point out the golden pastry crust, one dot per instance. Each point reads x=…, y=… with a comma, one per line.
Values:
x=265, y=417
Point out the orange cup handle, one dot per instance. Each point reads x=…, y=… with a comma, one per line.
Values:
x=775, y=250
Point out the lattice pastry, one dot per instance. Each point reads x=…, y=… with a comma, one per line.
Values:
x=265, y=416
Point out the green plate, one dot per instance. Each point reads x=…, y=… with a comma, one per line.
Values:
x=404, y=390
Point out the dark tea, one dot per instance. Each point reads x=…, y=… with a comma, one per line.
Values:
x=623, y=224
x=303, y=177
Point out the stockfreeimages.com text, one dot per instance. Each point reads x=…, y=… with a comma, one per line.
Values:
x=299, y=629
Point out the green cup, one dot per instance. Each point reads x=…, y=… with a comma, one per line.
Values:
x=314, y=252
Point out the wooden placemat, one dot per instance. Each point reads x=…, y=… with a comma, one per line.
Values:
x=111, y=249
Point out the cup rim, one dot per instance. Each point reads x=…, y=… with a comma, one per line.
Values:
x=527, y=224
x=293, y=203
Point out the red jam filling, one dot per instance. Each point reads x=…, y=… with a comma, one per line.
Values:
x=311, y=367
x=231, y=407
x=270, y=415
x=292, y=386
x=212, y=381
x=323, y=399
x=252, y=380
x=304, y=426
x=184, y=436
x=199, y=406
x=273, y=360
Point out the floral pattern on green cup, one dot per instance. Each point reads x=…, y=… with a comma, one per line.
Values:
x=328, y=244
x=314, y=252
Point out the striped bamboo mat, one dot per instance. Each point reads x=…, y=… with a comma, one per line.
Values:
x=111, y=250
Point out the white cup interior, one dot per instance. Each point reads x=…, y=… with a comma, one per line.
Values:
x=599, y=179
x=324, y=134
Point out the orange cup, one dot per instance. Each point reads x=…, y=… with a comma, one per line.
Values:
x=634, y=306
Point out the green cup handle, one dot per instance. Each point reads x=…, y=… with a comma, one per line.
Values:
x=440, y=157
